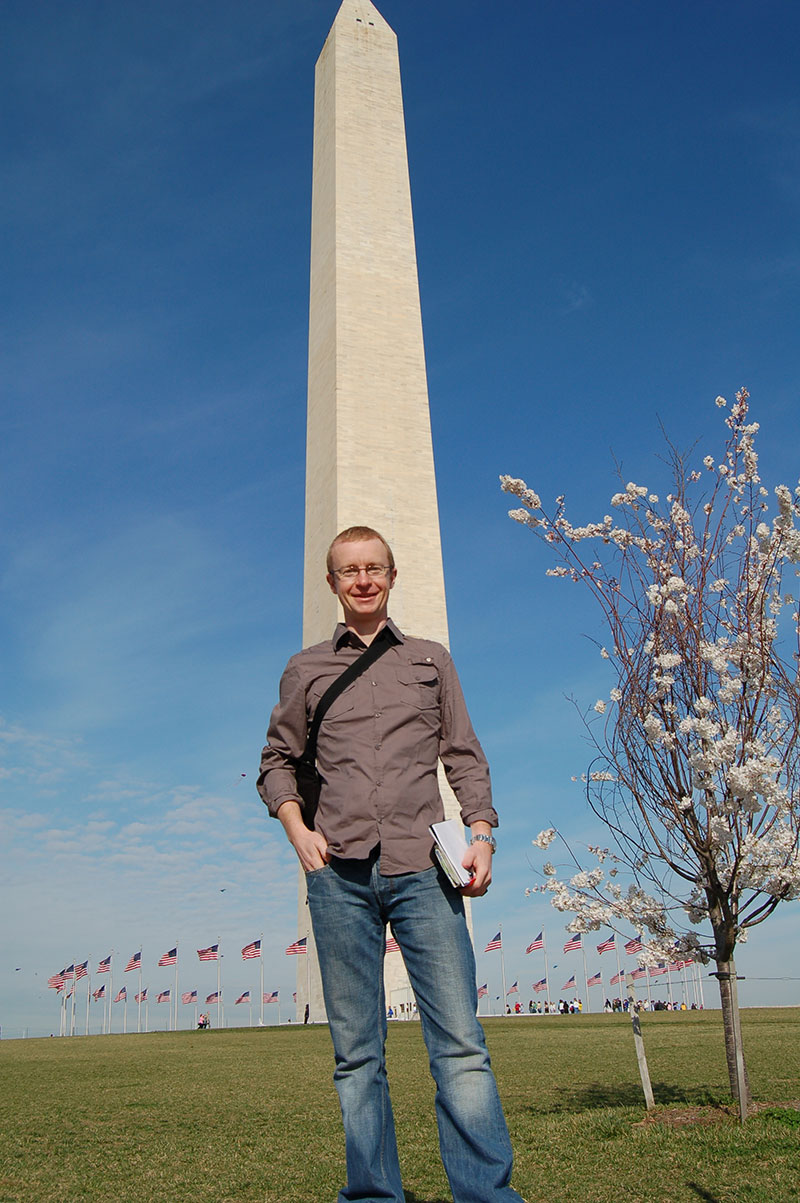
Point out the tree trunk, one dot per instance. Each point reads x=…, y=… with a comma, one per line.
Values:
x=734, y=1050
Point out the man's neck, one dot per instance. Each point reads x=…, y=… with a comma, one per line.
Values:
x=366, y=631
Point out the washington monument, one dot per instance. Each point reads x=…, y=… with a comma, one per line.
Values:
x=369, y=457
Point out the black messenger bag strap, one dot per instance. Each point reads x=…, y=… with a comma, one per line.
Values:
x=380, y=644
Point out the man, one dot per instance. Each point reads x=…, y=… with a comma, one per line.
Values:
x=368, y=861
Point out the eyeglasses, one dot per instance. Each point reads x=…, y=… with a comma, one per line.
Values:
x=350, y=573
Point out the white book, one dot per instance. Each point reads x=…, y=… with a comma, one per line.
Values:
x=450, y=846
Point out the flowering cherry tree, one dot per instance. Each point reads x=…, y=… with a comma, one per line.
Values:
x=697, y=747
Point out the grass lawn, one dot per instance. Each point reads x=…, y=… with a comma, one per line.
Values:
x=251, y=1116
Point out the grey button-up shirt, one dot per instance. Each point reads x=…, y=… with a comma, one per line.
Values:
x=378, y=748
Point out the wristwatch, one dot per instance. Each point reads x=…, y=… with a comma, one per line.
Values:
x=485, y=839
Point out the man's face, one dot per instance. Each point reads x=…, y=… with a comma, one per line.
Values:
x=362, y=596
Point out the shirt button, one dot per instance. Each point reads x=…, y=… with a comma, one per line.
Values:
x=373, y=682
x=378, y=747
x=377, y=714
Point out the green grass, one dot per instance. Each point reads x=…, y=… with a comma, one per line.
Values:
x=251, y=1115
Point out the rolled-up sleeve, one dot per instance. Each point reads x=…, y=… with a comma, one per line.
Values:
x=286, y=741
x=465, y=763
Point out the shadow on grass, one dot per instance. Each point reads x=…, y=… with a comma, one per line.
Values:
x=702, y=1193
x=412, y=1198
x=600, y=1094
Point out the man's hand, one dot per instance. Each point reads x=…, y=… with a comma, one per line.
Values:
x=311, y=846
x=478, y=858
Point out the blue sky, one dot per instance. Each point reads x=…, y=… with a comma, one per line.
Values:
x=605, y=204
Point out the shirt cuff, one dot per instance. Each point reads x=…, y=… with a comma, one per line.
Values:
x=479, y=814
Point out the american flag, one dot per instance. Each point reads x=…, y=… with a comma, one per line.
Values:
x=294, y=996
x=537, y=943
x=483, y=990
x=617, y=978
x=123, y=995
x=513, y=989
x=163, y=996
x=56, y=982
x=657, y=970
x=189, y=996
x=209, y=954
x=676, y=966
x=81, y=970
x=595, y=980
x=67, y=973
x=570, y=985
x=105, y=966
x=99, y=993
x=251, y=950
x=495, y=943
x=633, y=946
x=638, y=974
x=391, y=944
x=140, y=998
x=272, y=996
x=135, y=962
x=540, y=985
x=607, y=945
x=243, y=998
x=212, y=998
x=573, y=943
x=297, y=948
x=169, y=958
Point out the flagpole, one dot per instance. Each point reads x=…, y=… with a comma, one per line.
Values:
x=308, y=969
x=585, y=976
x=176, y=989
x=546, y=972
x=669, y=987
x=219, y=984
x=619, y=967
x=139, y=1004
x=261, y=959
x=503, y=972
x=72, y=1009
x=110, y=989
x=88, y=992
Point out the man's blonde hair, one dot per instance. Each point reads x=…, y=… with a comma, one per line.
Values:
x=357, y=534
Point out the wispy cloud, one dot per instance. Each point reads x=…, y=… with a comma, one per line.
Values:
x=574, y=296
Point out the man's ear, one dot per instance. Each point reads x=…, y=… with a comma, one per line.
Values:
x=393, y=578
x=331, y=579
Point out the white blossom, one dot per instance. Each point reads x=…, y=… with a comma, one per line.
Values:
x=545, y=838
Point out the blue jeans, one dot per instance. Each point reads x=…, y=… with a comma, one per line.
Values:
x=350, y=904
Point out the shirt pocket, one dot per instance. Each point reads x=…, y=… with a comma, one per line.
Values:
x=338, y=708
x=419, y=682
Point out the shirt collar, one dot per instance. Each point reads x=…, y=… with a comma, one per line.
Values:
x=342, y=637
